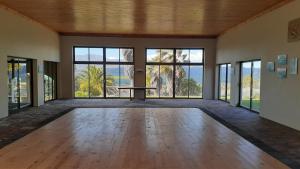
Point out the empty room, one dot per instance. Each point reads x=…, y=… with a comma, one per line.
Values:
x=149, y=84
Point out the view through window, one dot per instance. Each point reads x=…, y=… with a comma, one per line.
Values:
x=19, y=83
x=224, y=82
x=99, y=72
x=50, y=80
x=250, y=85
x=175, y=73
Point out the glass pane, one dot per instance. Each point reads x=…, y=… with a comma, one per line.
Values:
x=46, y=88
x=182, y=56
x=81, y=54
x=10, y=77
x=16, y=82
x=54, y=77
x=112, y=80
x=167, y=55
x=25, y=83
x=46, y=85
x=228, y=81
x=96, y=54
x=152, y=80
x=54, y=88
x=126, y=55
x=50, y=81
x=181, y=81
x=153, y=55
x=126, y=79
x=256, y=86
x=196, y=81
x=13, y=92
x=245, y=84
x=96, y=80
x=81, y=74
x=112, y=54
x=166, y=81
x=196, y=55
x=222, y=85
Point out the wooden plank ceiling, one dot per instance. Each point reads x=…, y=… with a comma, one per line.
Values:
x=206, y=18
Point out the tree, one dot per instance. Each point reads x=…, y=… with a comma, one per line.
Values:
x=246, y=83
x=90, y=82
x=128, y=57
x=162, y=77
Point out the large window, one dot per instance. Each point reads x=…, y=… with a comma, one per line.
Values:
x=19, y=83
x=250, y=85
x=50, y=80
x=224, y=82
x=99, y=72
x=175, y=73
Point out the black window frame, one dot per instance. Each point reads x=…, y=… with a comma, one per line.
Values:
x=174, y=63
x=226, y=82
x=251, y=85
x=103, y=63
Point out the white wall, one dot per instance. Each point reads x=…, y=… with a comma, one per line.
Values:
x=22, y=37
x=265, y=37
x=139, y=44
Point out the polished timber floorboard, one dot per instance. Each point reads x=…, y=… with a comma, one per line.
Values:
x=135, y=138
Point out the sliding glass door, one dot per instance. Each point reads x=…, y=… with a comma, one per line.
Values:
x=256, y=86
x=250, y=85
x=175, y=73
x=224, y=82
x=50, y=81
x=19, y=83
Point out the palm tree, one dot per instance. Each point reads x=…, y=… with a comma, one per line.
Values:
x=152, y=79
x=96, y=79
x=128, y=70
x=161, y=76
x=90, y=82
x=181, y=82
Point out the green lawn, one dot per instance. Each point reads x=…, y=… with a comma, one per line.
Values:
x=224, y=98
x=255, y=104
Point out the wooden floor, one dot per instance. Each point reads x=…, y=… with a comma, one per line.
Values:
x=135, y=138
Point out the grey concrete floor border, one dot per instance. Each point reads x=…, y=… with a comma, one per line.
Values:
x=258, y=143
x=41, y=124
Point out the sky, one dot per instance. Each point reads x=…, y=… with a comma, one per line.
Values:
x=96, y=54
x=112, y=54
x=195, y=55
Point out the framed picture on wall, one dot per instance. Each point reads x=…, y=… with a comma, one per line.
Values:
x=282, y=59
x=271, y=66
x=293, y=66
x=281, y=72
